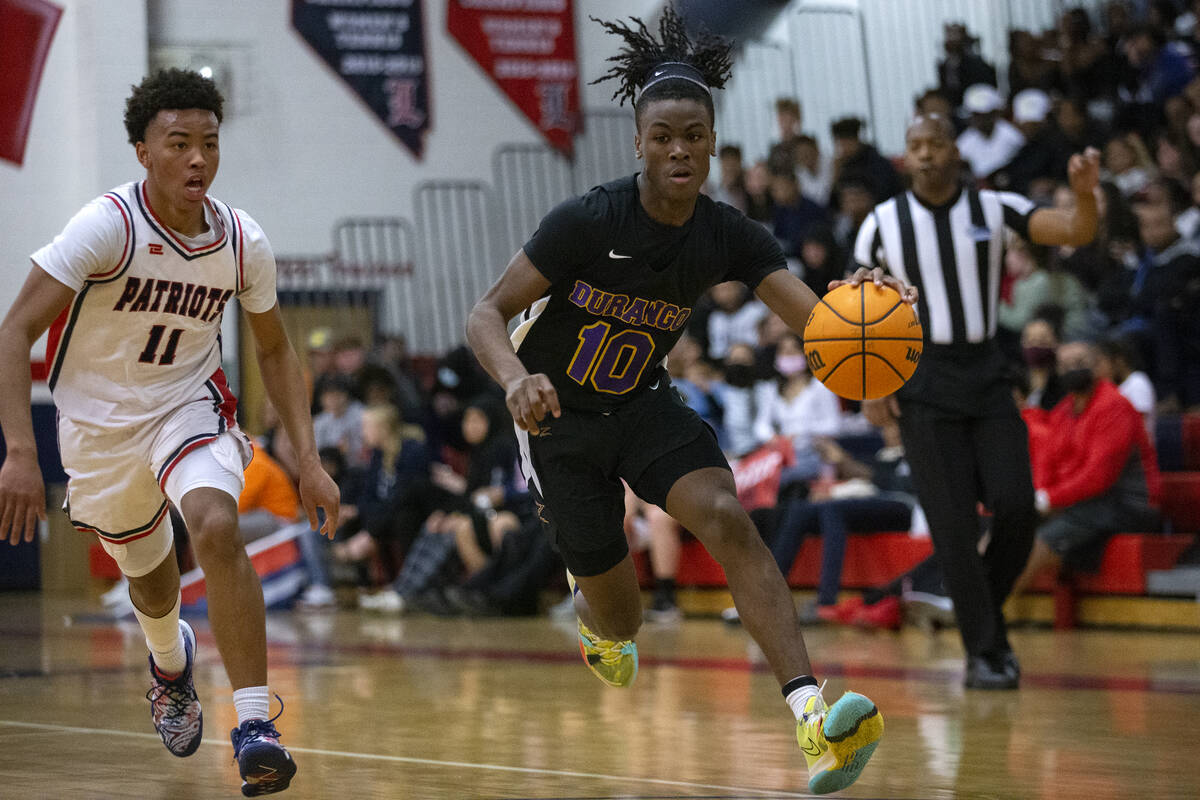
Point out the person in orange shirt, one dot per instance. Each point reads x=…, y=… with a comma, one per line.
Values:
x=269, y=501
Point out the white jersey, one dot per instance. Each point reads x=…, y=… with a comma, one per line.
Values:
x=142, y=336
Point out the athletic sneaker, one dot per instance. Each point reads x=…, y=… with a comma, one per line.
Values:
x=265, y=766
x=317, y=597
x=663, y=610
x=174, y=707
x=838, y=740
x=615, y=663
x=929, y=611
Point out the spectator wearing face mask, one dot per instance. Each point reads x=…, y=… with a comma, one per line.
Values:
x=1039, y=346
x=798, y=407
x=740, y=394
x=1095, y=472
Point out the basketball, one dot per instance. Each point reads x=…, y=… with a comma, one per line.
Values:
x=863, y=341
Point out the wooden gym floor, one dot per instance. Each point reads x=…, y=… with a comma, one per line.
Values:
x=425, y=708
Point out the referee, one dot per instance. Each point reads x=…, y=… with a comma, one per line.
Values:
x=962, y=434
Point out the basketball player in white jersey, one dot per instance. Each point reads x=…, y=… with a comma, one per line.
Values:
x=133, y=292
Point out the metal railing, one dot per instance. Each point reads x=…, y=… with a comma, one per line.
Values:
x=868, y=58
x=459, y=259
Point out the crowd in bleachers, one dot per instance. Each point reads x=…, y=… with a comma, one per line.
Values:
x=1125, y=83
x=436, y=516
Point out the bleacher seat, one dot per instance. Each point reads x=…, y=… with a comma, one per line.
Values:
x=1190, y=424
x=1177, y=441
x=1181, y=501
x=872, y=559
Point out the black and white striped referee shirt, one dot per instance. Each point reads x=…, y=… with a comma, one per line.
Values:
x=953, y=254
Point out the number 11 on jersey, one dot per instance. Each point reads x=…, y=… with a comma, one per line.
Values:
x=150, y=351
x=615, y=363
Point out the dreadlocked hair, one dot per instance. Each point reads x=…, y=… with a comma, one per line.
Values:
x=709, y=54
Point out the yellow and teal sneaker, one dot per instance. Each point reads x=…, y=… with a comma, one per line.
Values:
x=838, y=740
x=615, y=663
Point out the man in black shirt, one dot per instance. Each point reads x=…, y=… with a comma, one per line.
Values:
x=607, y=283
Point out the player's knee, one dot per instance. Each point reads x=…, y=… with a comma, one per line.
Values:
x=152, y=600
x=215, y=536
x=725, y=523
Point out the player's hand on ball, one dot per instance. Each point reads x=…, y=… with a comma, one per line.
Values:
x=529, y=399
x=879, y=278
x=22, y=498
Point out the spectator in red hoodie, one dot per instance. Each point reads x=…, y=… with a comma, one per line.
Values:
x=1095, y=471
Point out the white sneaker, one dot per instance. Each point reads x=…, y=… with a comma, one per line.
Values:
x=386, y=601
x=930, y=611
x=317, y=595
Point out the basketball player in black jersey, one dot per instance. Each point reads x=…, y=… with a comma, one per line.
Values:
x=606, y=285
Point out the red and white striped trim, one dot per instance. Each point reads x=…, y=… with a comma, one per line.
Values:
x=166, y=231
x=174, y=462
x=151, y=528
x=121, y=207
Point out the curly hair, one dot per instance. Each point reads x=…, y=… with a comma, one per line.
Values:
x=708, y=54
x=169, y=88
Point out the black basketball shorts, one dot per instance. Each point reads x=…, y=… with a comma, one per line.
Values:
x=574, y=468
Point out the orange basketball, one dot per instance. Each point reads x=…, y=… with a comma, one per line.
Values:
x=863, y=341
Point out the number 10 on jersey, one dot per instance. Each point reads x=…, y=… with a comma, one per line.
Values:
x=614, y=364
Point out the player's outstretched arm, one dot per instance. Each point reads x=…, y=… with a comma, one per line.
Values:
x=22, y=493
x=789, y=297
x=528, y=397
x=1076, y=227
x=284, y=383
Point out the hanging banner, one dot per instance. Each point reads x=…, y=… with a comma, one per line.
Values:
x=378, y=48
x=528, y=48
x=26, y=29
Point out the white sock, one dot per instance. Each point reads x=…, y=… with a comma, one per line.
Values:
x=253, y=702
x=165, y=640
x=799, y=697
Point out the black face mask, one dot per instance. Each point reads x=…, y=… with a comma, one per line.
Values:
x=739, y=375
x=1077, y=381
x=1038, y=357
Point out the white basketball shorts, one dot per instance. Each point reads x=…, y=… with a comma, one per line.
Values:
x=120, y=480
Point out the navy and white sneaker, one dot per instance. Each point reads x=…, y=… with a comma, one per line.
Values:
x=266, y=767
x=174, y=707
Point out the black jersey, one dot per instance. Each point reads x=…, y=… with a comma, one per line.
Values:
x=622, y=287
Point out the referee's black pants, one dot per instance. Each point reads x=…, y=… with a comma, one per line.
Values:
x=957, y=461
